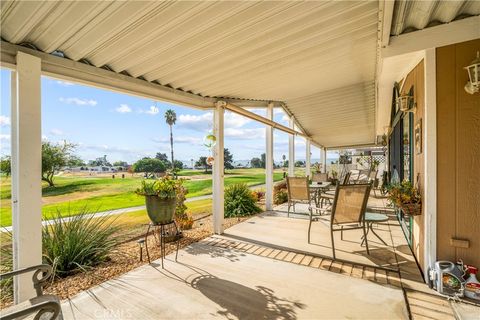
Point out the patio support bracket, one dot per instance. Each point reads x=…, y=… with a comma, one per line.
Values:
x=218, y=167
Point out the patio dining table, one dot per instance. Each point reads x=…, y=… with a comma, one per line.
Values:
x=318, y=188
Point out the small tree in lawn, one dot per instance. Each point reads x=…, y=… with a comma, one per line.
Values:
x=202, y=162
x=171, y=118
x=227, y=159
x=6, y=165
x=149, y=166
x=256, y=163
x=54, y=157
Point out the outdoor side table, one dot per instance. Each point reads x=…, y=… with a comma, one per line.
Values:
x=370, y=219
x=161, y=230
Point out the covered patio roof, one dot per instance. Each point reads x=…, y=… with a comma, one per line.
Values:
x=319, y=56
x=321, y=61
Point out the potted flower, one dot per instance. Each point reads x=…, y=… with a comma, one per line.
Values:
x=160, y=199
x=405, y=196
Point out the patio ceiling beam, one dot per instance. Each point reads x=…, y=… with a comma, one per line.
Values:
x=256, y=117
x=74, y=71
x=442, y=35
x=295, y=121
x=356, y=146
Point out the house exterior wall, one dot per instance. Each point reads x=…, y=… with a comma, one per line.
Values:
x=416, y=79
x=458, y=155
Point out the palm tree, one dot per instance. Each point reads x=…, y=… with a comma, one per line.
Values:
x=171, y=118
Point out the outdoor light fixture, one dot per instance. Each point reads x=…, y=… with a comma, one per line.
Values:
x=406, y=103
x=473, y=70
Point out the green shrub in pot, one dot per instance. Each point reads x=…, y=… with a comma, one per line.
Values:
x=160, y=198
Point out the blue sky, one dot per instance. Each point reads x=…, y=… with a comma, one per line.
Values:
x=123, y=127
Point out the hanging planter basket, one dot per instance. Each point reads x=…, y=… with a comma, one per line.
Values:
x=412, y=209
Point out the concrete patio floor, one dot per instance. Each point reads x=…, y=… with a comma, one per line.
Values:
x=263, y=268
x=214, y=282
x=276, y=229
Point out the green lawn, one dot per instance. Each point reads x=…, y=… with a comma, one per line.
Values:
x=73, y=193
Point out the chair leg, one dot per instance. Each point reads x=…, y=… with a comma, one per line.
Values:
x=310, y=225
x=333, y=243
x=341, y=233
x=365, y=238
x=288, y=210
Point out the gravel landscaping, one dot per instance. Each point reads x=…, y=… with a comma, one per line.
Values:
x=126, y=258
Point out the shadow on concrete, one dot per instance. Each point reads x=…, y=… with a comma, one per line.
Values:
x=215, y=252
x=242, y=302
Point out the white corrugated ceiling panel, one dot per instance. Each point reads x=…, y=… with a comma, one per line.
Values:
x=280, y=51
x=412, y=15
x=348, y=111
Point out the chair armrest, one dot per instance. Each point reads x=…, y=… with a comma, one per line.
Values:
x=39, y=305
x=37, y=282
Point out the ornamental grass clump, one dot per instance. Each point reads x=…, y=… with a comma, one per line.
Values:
x=79, y=242
x=6, y=265
x=239, y=201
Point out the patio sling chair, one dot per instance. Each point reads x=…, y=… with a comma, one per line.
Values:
x=320, y=177
x=298, y=192
x=330, y=195
x=348, y=211
x=43, y=306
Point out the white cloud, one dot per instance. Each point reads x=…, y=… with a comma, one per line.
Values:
x=245, y=134
x=285, y=118
x=4, y=121
x=179, y=139
x=56, y=132
x=79, y=102
x=153, y=110
x=199, y=123
x=65, y=83
x=205, y=121
x=4, y=137
x=123, y=109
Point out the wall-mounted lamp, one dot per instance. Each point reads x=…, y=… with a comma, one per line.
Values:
x=473, y=85
x=406, y=103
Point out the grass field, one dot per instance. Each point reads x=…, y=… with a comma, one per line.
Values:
x=105, y=193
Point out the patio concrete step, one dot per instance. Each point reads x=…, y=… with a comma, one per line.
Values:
x=374, y=274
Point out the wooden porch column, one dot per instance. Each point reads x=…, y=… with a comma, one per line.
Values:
x=218, y=168
x=291, y=151
x=26, y=133
x=308, y=156
x=269, y=161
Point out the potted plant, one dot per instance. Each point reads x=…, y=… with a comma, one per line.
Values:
x=405, y=196
x=160, y=199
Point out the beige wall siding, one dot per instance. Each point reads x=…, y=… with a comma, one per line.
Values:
x=458, y=155
x=416, y=79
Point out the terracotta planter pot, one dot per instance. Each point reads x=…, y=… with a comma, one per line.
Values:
x=160, y=211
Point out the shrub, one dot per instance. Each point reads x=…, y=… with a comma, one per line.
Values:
x=79, y=242
x=258, y=195
x=239, y=201
x=6, y=265
x=280, y=194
